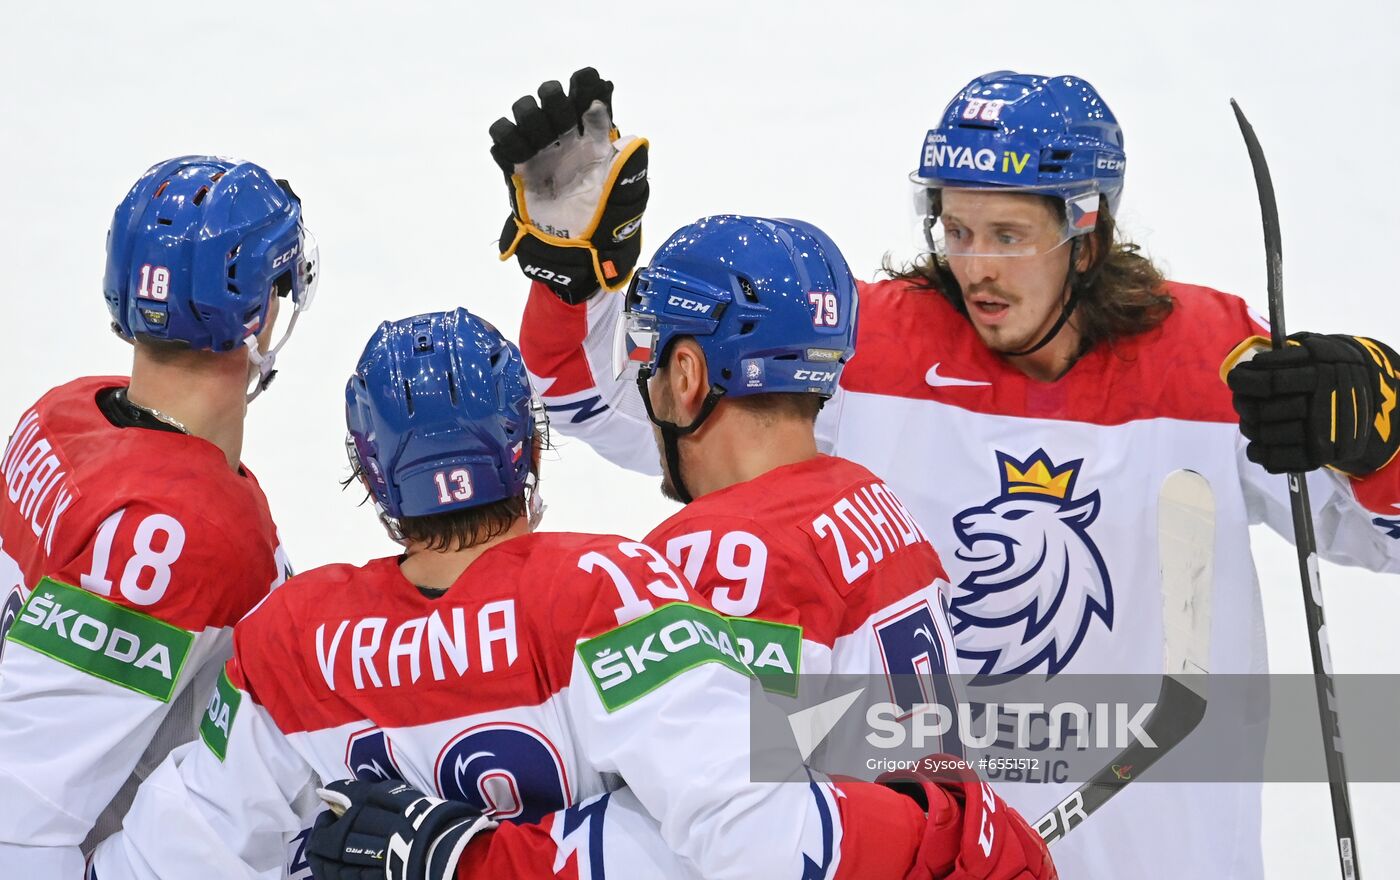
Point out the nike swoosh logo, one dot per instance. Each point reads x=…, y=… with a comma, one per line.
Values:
x=811, y=726
x=937, y=381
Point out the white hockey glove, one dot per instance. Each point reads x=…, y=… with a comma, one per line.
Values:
x=577, y=189
x=380, y=829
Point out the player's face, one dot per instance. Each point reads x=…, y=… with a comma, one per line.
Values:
x=1012, y=300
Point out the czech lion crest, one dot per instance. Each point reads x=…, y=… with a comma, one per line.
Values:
x=1035, y=581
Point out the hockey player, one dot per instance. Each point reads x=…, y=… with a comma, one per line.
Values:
x=1050, y=377
x=131, y=538
x=512, y=671
x=818, y=566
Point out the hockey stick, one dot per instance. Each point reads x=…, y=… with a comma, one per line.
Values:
x=1186, y=547
x=1304, y=539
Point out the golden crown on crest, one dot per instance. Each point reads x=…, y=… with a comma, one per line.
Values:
x=1036, y=476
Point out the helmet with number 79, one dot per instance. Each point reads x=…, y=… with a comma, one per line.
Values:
x=1049, y=135
x=441, y=417
x=771, y=303
x=197, y=250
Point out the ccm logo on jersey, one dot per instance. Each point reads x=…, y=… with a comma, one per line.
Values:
x=815, y=375
x=689, y=305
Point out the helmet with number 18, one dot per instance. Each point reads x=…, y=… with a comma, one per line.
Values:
x=198, y=250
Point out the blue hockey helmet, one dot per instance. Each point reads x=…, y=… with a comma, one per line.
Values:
x=198, y=248
x=1051, y=135
x=771, y=303
x=441, y=417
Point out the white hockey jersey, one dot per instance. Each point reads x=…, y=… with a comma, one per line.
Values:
x=1041, y=496
x=556, y=664
x=821, y=570
x=120, y=583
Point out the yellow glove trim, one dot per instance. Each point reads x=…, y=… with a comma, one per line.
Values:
x=620, y=282
x=1237, y=354
x=618, y=161
x=1388, y=396
x=524, y=226
x=515, y=242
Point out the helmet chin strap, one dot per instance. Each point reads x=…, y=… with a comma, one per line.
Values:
x=1066, y=310
x=671, y=433
x=534, y=502
x=266, y=362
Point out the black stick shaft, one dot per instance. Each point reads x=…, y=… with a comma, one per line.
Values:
x=1304, y=539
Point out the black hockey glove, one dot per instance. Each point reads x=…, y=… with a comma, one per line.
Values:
x=1321, y=401
x=389, y=829
x=577, y=189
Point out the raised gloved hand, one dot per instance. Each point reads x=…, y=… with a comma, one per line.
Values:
x=972, y=834
x=577, y=189
x=389, y=829
x=1320, y=401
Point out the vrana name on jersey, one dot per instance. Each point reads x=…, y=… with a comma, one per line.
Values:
x=414, y=639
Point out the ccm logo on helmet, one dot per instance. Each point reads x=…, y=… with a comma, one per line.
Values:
x=689, y=305
x=815, y=375
x=282, y=258
x=1105, y=164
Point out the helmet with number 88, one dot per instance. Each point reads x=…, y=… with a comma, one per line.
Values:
x=441, y=417
x=1014, y=132
x=197, y=250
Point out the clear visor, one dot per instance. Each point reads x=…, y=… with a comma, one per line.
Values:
x=991, y=234
x=302, y=293
x=634, y=344
x=540, y=416
x=310, y=269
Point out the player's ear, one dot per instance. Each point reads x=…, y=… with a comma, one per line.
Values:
x=689, y=376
